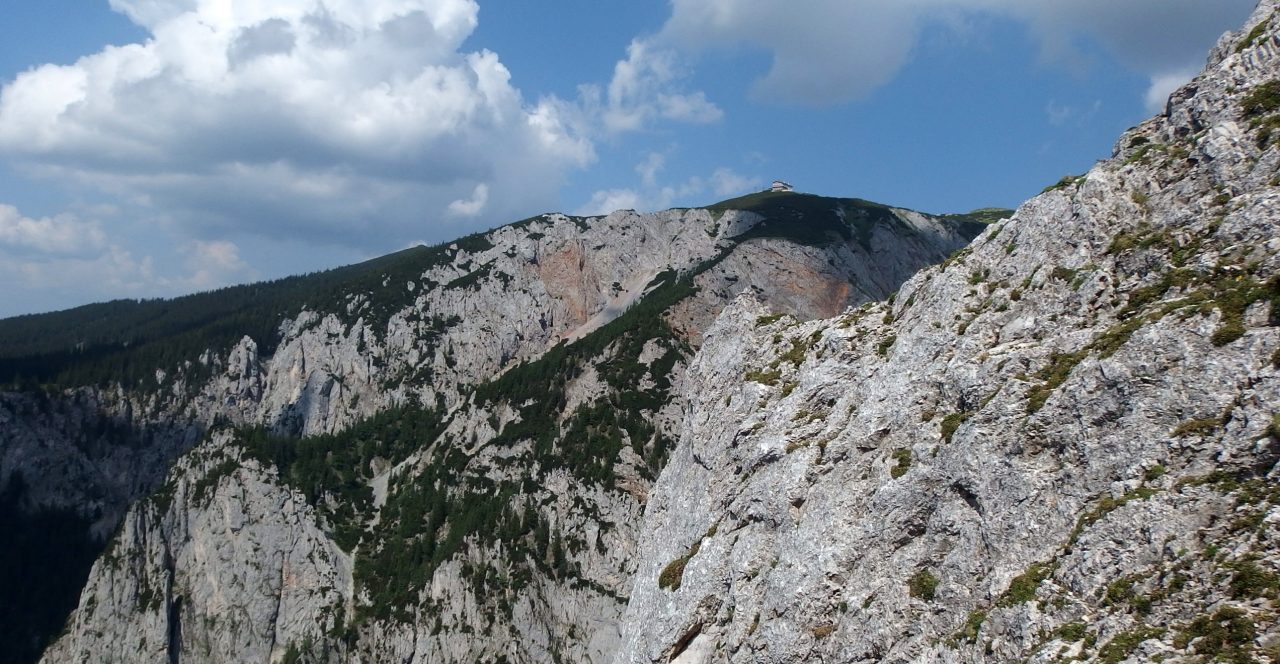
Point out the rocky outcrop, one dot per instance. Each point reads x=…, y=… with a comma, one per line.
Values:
x=1060, y=444
x=225, y=565
x=542, y=576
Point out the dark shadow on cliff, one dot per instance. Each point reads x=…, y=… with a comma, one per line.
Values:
x=44, y=561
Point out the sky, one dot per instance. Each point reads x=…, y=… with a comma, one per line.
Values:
x=158, y=147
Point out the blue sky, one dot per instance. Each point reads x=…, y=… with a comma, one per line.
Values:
x=157, y=147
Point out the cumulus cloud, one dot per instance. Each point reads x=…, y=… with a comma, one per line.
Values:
x=650, y=196
x=472, y=206
x=329, y=117
x=646, y=87
x=650, y=167
x=725, y=182
x=66, y=257
x=61, y=235
x=211, y=264
x=831, y=51
x=1163, y=85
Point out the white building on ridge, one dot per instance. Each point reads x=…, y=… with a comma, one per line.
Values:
x=779, y=185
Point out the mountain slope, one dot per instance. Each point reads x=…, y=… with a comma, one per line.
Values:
x=430, y=426
x=1061, y=444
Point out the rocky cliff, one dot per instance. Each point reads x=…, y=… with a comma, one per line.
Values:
x=555, y=442
x=1060, y=445
x=485, y=415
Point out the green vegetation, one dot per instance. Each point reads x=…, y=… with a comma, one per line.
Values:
x=820, y=220
x=1227, y=635
x=127, y=340
x=1259, y=106
x=903, y=459
x=988, y=215
x=1229, y=292
x=923, y=585
x=1105, y=506
x=1122, y=592
x=1053, y=375
x=1255, y=35
x=673, y=574
x=972, y=627
x=952, y=422
x=1251, y=580
x=1065, y=182
x=1123, y=644
x=764, y=376
x=593, y=436
x=332, y=471
x=1262, y=100
x=883, y=348
x=1198, y=427
x=1023, y=587
x=1071, y=632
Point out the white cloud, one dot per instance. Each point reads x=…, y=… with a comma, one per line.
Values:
x=650, y=167
x=725, y=182
x=472, y=206
x=831, y=51
x=611, y=200
x=212, y=264
x=352, y=120
x=63, y=234
x=646, y=88
x=642, y=89
x=1163, y=85
x=649, y=196
x=1060, y=114
x=68, y=259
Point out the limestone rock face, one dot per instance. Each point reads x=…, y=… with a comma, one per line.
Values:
x=1061, y=443
x=235, y=558
x=228, y=566
x=703, y=435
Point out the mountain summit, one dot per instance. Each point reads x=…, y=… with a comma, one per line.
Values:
x=486, y=413
x=783, y=428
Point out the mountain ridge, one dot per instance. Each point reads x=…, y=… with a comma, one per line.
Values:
x=527, y=300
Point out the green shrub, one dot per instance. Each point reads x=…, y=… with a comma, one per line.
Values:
x=1067, y=181
x=903, y=457
x=1229, y=331
x=1198, y=427
x=1262, y=100
x=923, y=585
x=1227, y=634
x=972, y=626
x=1251, y=580
x=1023, y=587
x=1071, y=632
x=764, y=376
x=1255, y=35
x=952, y=422
x=1119, y=648
x=673, y=574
